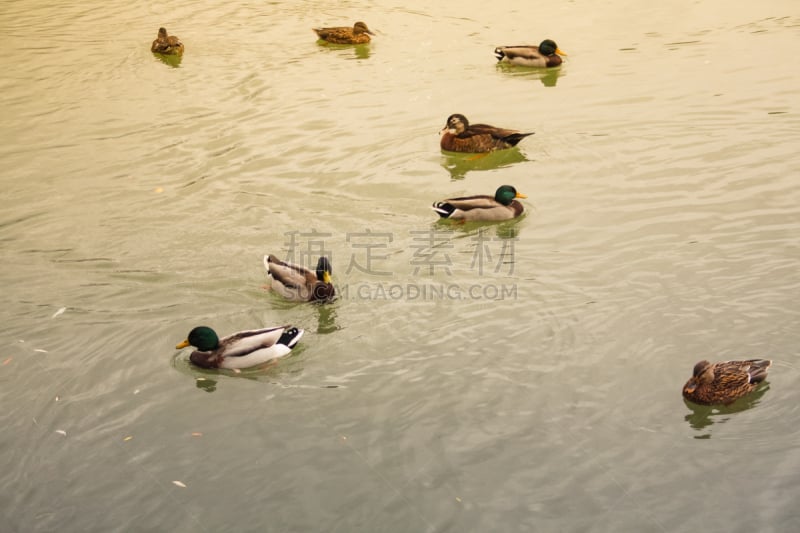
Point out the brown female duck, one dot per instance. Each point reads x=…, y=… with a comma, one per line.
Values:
x=167, y=44
x=358, y=34
x=503, y=206
x=546, y=54
x=461, y=136
x=298, y=283
x=725, y=382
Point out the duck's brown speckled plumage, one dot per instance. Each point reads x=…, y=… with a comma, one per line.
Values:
x=298, y=283
x=167, y=44
x=358, y=34
x=458, y=135
x=501, y=206
x=546, y=54
x=724, y=382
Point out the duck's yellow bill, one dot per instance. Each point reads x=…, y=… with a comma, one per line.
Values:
x=561, y=52
x=184, y=344
x=520, y=195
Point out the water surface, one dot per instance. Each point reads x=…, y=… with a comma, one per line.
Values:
x=523, y=376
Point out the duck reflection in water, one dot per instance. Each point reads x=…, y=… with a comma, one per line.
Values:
x=459, y=164
x=703, y=416
x=548, y=77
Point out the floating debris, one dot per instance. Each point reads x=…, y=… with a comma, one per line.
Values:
x=61, y=432
x=59, y=312
x=179, y=484
x=196, y=434
x=137, y=391
x=158, y=190
x=126, y=439
x=8, y=360
x=40, y=350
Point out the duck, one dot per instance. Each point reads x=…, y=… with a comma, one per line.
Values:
x=724, y=382
x=547, y=54
x=167, y=44
x=458, y=135
x=244, y=349
x=358, y=34
x=297, y=283
x=502, y=206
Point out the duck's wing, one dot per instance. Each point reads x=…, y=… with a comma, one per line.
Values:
x=529, y=52
x=754, y=369
x=245, y=342
x=481, y=207
x=466, y=203
x=287, y=274
x=507, y=135
x=731, y=376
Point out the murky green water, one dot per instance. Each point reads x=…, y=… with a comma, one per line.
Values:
x=516, y=377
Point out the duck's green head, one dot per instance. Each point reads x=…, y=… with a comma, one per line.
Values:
x=203, y=338
x=506, y=193
x=549, y=47
x=324, y=270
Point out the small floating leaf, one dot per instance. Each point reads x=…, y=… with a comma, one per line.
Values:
x=7, y=361
x=126, y=439
x=59, y=312
x=179, y=484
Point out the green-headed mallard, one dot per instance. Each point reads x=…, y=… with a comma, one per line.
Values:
x=167, y=44
x=722, y=383
x=546, y=54
x=502, y=206
x=244, y=349
x=461, y=136
x=298, y=283
x=358, y=34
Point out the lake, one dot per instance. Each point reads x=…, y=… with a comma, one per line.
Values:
x=517, y=376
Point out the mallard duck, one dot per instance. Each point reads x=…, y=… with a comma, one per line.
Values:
x=167, y=44
x=244, y=349
x=546, y=54
x=298, y=283
x=358, y=34
x=461, y=136
x=722, y=383
x=502, y=206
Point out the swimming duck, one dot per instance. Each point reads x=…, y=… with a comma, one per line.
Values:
x=546, y=54
x=358, y=34
x=461, y=136
x=167, y=44
x=298, y=283
x=722, y=383
x=244, y=349
x=502, y=206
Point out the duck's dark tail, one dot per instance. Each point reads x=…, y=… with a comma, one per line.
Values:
x=290, y=336
x=499, y=54
x=443, y=209
x=515, y=138
x=758, y=369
